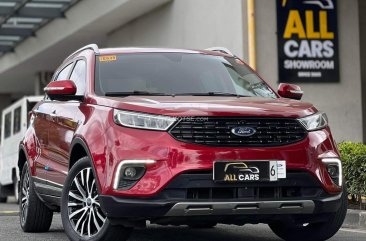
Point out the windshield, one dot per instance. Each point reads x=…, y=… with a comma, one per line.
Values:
x=176, y=74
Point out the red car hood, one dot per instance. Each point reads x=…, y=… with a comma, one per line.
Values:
x=209, y=106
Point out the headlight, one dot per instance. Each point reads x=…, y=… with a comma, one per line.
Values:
x=314, y=122
x=143, y=121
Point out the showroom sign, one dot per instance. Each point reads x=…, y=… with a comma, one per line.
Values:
x=307, y=41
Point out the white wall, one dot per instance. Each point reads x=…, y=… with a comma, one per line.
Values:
x=195, y=24
x=341, y=101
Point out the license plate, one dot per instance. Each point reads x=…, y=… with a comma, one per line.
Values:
x=249, y=171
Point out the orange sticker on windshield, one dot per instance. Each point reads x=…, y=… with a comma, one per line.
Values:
x=107, y=58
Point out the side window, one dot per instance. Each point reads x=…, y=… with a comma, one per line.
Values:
x=64, y=73
x=7, y=126
x=78, y=76
x=30, y=106
x=16, y=121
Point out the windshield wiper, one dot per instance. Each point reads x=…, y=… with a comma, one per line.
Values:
x=212, y=94
x=135, y=92
x=139, y=92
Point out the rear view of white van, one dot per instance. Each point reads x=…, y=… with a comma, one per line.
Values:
x=14, y=124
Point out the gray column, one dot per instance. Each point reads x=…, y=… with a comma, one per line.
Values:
x=362, y=16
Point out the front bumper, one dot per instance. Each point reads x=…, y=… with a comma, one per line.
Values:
x=117, y=208
x=196, y=194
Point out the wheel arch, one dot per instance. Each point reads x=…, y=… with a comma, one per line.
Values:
x=22, y=158
x=80, y=149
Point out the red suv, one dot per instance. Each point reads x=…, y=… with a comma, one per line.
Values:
x=182, y=137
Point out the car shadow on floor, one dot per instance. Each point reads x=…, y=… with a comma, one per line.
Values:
x=220, y=233
x=183, y=233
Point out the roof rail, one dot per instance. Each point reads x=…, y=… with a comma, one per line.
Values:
x=93, y=47
x=221, y=49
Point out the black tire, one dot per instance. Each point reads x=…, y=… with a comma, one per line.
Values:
x=80, y=203
x=3, y=198
x=316, y=231
x=200, y=225
x=16, y=188
x=34, y=215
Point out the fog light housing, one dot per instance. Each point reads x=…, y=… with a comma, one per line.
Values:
x=129, y=172
x=133, y=172
x=334, y=169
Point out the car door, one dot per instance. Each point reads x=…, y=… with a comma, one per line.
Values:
x=44, y=117
x=64, y=126
x=41, y=125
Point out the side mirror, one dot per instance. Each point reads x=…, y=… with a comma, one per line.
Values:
x=60, y=89
x=290, y=91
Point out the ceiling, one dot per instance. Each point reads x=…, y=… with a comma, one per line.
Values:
x=20, y=19
x=86, y=22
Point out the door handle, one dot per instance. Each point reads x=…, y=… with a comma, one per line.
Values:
x=53, y=116
x=53, y=113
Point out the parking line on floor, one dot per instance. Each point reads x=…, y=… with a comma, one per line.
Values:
x=9, y=213
x=353, y=230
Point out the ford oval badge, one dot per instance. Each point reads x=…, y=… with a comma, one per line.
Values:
x=243, y=131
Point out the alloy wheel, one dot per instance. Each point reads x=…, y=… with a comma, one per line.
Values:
x=84, y=212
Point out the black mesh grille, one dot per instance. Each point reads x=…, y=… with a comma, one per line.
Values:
x=126, y=184
x=216, y=131
x=253, y=193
